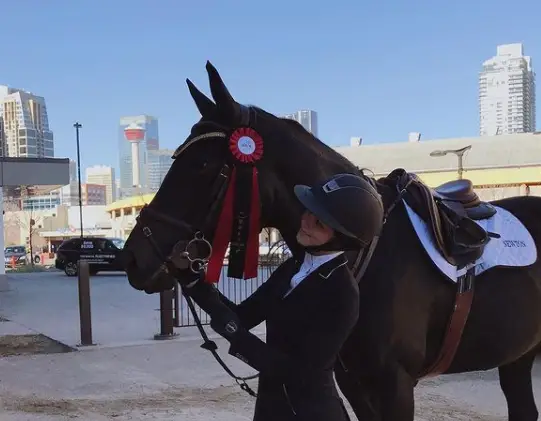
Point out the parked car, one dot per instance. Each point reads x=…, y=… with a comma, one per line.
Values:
x=17, y=252
x=101, y=254
x=20, y=254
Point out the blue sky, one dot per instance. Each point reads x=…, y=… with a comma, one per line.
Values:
x=373, y=70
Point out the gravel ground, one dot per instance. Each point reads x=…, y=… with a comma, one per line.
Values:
x=177, y=381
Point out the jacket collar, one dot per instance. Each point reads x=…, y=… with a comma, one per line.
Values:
x=327, y=268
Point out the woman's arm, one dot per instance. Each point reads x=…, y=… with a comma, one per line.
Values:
x=330, y=327
x=250, y=312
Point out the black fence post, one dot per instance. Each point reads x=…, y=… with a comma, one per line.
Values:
x=85, y=317
x=166, y=316
x=176, y=304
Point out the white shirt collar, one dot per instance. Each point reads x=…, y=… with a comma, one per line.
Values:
x=310, y=264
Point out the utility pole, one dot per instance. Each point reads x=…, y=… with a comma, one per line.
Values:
x=77, y=126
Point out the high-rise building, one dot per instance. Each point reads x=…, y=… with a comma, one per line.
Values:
x=159, y=162
x=73, y=170
x=101, y=174
x=91, y=194
x=137, y=136
x=307, y=118
x=507, y=92
x=3, y=151
x=41, y=202
x=24, y=125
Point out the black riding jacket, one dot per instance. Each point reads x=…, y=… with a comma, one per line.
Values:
x=305, y=331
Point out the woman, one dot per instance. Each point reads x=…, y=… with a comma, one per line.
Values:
x=310, y=306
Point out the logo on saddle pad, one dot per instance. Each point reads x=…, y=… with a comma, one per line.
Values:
x=514, y=243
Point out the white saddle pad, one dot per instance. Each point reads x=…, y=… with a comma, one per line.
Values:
x=514, y=248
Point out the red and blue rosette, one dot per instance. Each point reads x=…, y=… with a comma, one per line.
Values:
x=246, y=146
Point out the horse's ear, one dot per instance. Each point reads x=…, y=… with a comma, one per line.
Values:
x=224, y=101
x=205, y=105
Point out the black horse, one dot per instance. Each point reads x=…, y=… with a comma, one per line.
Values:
x=405, y=301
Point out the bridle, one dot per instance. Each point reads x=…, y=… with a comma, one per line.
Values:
x=181, y=257
x=194, y=254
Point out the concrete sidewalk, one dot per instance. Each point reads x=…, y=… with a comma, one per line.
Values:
x=173, y=380
x=178, y=381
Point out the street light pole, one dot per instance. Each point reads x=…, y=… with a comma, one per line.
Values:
x=83, y=269
x=458, y=152
x=77, y=126
x=460, y=166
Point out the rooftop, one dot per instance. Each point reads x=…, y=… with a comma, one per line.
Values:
x=489, y=152
x=134, y=201
x=486, y=152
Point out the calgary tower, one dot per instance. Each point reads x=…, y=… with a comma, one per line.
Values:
x=135, y=134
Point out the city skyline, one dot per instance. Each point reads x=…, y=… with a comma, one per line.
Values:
x=420, y=74
x=142, y=163
x=508, y=76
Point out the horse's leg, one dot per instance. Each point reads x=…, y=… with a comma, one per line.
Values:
x=396, y=394
x=360, y=399
x=516, y=384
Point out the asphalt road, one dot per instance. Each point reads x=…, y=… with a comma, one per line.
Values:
x=48, y=302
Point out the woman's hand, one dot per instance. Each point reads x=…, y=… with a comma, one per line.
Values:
x=223, y=320
x=226, y=324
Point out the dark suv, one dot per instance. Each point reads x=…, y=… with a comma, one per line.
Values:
x=101, y=254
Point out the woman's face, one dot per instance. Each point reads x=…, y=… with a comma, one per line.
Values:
x=313, y=232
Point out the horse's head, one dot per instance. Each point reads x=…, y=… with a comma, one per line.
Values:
x=174, y=231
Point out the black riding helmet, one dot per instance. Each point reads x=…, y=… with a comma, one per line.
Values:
x=347, y=203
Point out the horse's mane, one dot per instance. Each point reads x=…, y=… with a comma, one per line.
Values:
x=330, y=153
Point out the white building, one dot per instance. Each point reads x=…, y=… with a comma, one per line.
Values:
x=91, y=194
x=101, y=174
x=96, y=223
x=24, y=125
x=307, y=118
x=73, y=170
x=507, y=93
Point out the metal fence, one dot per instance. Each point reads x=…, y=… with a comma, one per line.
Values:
x=174, y=310
x=236, y=290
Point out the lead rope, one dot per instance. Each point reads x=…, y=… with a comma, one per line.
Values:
x=211, y=346
x=207, y=344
